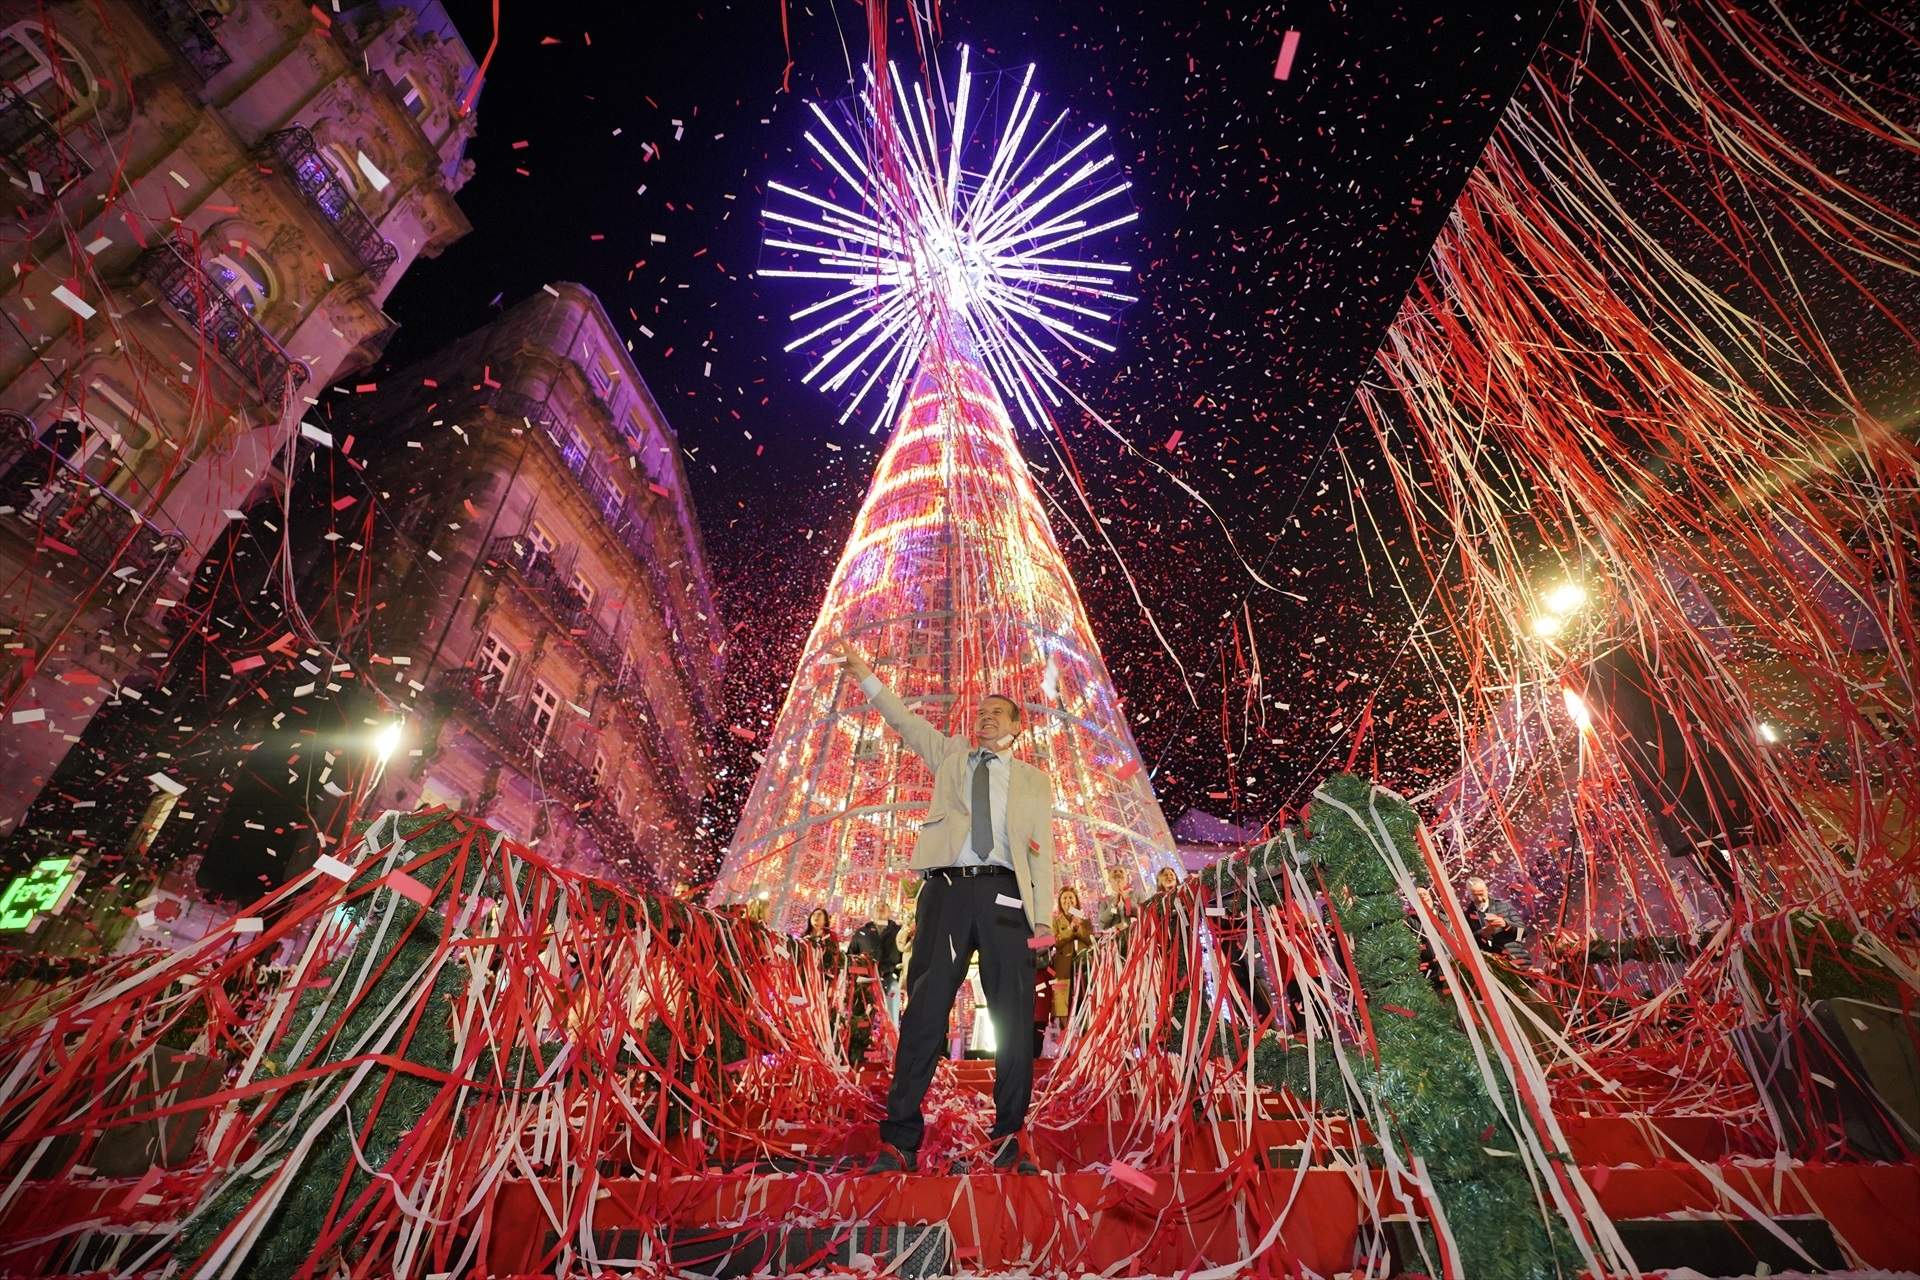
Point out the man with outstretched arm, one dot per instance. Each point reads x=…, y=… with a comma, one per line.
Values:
x=985, y=858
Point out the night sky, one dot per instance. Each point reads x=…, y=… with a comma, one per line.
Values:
x=1280, y=224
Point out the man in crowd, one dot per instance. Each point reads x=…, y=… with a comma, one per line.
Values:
x=879, y=941
x=1492, y=922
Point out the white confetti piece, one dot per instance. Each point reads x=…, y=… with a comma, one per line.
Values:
x=31, y=715
x=328, y=865
x=167, y=784
x=249, y=924
x=73, y=302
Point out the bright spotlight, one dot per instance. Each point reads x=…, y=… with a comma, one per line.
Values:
x=1565, y=598
x=1768, y=733
x=1577, y=710
x=1547, y=625
x=386, y=741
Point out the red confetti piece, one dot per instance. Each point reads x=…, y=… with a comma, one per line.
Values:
x=1288, y=44
x=407, y=887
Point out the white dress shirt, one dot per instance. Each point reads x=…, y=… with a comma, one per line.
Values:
x=999, y=781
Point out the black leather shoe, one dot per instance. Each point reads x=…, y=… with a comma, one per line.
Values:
x=892, y=1159
x=1008, y=1158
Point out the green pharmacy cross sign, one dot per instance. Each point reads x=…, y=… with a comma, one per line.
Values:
x=41, y=891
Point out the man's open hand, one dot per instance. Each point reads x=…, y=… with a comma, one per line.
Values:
x=856, y=662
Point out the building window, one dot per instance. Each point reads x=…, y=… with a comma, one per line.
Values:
x=541, y=540
x=620, y=798
x=496, y=664
x=40, y=68
x=242, y=274
x=599, y=773
x=343, y=167
x=583, y=588
x=605, y=374
x=412, y=97
x=543, y=710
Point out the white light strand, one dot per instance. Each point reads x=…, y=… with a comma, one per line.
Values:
x=922, y=250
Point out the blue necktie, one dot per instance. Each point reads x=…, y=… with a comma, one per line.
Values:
x=983, y=809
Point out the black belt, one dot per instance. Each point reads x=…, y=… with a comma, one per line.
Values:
x=985, y=869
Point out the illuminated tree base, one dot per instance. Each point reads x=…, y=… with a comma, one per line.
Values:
x=953, y=584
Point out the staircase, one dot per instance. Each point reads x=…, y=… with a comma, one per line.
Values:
x=1211, y=1204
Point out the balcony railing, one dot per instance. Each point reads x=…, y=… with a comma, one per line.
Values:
x=295, y=151
x=566, y=607
x=622, y=521
x=226, y=326
x=180, y=21
x=67, y=512
x=513, y=726
x=33, y=150
x=569, y=608
x=517, y=734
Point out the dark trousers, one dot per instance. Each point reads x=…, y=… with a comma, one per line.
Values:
x=955, y=917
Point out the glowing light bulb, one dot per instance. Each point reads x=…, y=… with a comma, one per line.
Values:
x=1548, y=625
x=1768, y=733
x=387, y=741
x=1577, y=710
x=1565, y=598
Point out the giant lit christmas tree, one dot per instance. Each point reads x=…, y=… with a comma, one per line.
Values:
x=947, y=280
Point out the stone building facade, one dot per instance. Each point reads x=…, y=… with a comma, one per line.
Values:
x=204, y=205
x=549, y=592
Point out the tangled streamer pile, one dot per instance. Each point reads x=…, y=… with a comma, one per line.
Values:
x=1671, y=537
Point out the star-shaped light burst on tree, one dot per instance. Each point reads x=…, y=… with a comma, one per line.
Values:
x=921, y=248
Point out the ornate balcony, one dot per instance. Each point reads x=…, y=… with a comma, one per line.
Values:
x=568, y=609
x=542, y=579
x=67, y=513
x=267, y=370
x=300, y=159
x=622, y=519
x=33, y=150
x=190, y=34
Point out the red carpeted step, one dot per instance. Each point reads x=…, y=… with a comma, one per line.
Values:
x=999, y=1222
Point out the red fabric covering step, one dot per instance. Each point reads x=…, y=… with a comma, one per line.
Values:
x=1875, y=1208
x=998, y=1221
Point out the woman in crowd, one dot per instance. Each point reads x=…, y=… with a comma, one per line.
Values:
x=819, y=936
x=1072, y=940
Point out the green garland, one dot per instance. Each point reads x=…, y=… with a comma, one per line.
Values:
x=287, y=1243
x=1425, y=1077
